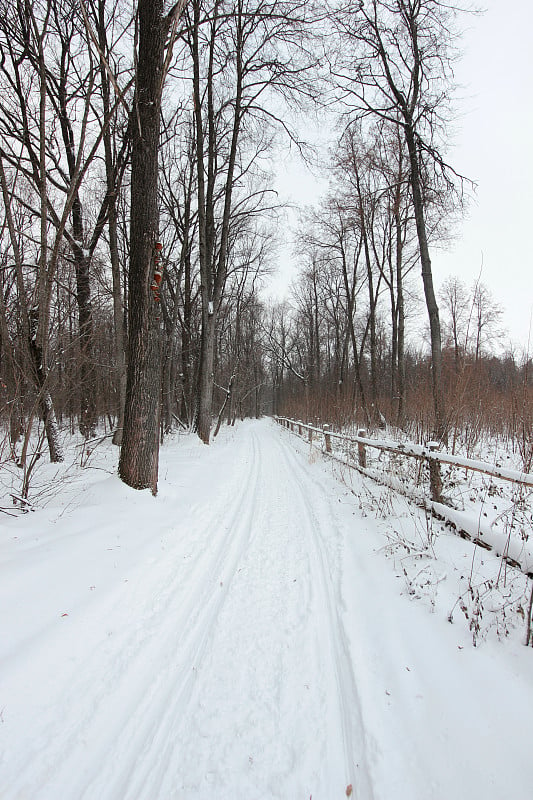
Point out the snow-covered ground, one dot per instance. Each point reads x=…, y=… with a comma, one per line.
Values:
x=262, y=629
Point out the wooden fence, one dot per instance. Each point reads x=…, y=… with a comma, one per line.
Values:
x=429, y=453
x=519, y=554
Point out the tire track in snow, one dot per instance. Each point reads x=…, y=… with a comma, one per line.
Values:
x=353, y=734
x=125, y=759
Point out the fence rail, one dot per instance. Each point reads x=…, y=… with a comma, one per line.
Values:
x=429, y=452
x=515, y=552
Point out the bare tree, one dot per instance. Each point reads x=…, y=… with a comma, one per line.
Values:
x=242, y=51
x=51, y=140
x=486, y=316
x=117, y=146
x=139, y=454
x=374, y=171
x=400, y=70
x=335, y=234
x=23, y=118
x=180, y=304
x=456, y=304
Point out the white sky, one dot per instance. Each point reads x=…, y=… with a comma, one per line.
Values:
x=493, y=145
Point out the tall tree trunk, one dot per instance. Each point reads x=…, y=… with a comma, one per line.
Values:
x=139, y=455
x=118, y=321
x=168, y=378
x=350, y=301
x=34, y=331
x=205, y=378
x=399, y=366
x=186, y=346
x=213, y=261
x=202, y=416
x=10, y=374
x=82, y=259
x=400, y=309
x=46, y=407
x=40, y=316
x=87, y=400
x=372, y=300
x=315, y=322
x=429, y=292
x=112, y=217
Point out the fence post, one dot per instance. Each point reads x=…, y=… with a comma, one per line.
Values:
x=310, y=436
x=299, y=428
x=327, y=437
x=361, y=448
x=435, y=480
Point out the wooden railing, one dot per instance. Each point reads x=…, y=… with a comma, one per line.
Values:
x=518, y=554
x=429, y=452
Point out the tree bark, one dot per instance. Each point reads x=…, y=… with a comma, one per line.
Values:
x=46, y=407
x=400, y=311
x=427, y=279
x=82, y=260
x=372, y=298
x=87, y=399
x=139, y=455
x=213, y=260
x=118, y=321
x=205, y=378
x=112, y=221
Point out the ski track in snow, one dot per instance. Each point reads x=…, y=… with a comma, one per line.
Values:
x=254, y=602
x=188, y=625
x=320, y=519
x=227, y=648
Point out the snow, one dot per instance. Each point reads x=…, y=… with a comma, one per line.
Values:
x=261, y=629
x=502, y=543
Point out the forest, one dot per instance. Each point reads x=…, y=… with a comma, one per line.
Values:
x=139, y=147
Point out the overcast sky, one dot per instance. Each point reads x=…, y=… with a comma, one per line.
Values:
x=493, y=145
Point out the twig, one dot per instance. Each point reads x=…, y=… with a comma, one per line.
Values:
x=529, y=610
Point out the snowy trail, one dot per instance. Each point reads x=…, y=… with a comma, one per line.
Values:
x=318, y=519
x=241, y=589
x=276, y=613
x=166, y=660
x=238, y=638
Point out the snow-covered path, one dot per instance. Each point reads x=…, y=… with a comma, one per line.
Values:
x=240, y=638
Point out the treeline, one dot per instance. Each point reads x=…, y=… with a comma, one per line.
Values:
x=112, y=300
x=490, y=397
x=353, y=341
